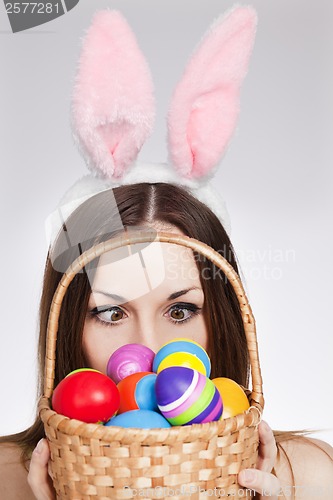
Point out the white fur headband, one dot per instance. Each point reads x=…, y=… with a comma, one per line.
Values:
x=113, y=110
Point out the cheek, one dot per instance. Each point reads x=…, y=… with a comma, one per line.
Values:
x=197, y=332
x=202, y=334
x=95, y=348
x=98, y=345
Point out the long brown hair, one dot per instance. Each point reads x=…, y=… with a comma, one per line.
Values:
x=143, y=204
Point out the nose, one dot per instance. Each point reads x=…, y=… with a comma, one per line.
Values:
x=147, y=334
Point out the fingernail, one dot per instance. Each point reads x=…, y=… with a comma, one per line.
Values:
x=39, y=446
x=248, y=475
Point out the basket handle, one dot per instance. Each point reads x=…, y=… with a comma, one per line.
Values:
x=134, y=237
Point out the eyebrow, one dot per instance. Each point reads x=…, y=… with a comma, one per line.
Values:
x=173, y=296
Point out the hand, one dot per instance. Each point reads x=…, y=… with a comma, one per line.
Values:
x=260, y=479
x=39, y=479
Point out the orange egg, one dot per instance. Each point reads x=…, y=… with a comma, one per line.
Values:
x=233, y=397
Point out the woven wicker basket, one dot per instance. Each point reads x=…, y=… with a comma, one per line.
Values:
x=91, y=461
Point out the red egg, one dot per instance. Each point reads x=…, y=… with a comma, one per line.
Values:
x=88, y=395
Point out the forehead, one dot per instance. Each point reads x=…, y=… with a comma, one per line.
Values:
x=139, y=269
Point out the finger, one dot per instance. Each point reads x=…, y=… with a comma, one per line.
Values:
x=267, y=448
x=38, y=477
x=262, y=482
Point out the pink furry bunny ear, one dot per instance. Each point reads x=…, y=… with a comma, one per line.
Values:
x=205, y=104
x=113, y=105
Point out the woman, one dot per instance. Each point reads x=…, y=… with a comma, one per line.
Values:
x=112, y=118
x=209, y=313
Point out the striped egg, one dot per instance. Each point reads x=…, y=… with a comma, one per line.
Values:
x=182, y=352
x=185, y=396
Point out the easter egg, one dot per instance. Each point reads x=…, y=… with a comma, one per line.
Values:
x=137, y=391
x=234, y=398
x=86, y=395
x=142, y=419
x=83, y=370
x=182, y=352
x=128, y=359
x=186, y=396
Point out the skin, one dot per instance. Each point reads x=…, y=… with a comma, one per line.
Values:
x=145, y=310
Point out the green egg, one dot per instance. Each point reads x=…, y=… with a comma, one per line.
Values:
x=83, y=370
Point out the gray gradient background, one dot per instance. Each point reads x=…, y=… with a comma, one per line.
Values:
x=276, y=179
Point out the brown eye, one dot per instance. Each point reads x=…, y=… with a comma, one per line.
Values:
x=111, y=315
x=177, y=314
x=182, y=312
x=116, y=315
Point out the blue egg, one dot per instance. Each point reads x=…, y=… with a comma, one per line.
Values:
x=145, y=396
x=142, y=419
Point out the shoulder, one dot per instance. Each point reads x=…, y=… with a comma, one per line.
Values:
x=311, y=461
x=13, y=476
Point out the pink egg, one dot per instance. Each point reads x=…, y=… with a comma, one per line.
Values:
x=128, y=359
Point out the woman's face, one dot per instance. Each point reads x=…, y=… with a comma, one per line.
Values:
x=148, y=297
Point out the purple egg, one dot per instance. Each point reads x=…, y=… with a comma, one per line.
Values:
x=185, y=396
x=166, y=390
x=128, y=359
x=199, y=383
x=211, y=413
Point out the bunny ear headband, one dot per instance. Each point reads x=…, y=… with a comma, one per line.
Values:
x=113, y=110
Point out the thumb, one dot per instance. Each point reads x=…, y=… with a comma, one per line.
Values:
x=38, y=478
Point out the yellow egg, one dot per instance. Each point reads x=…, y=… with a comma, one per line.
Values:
x=233, y=397
x=182, y=359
